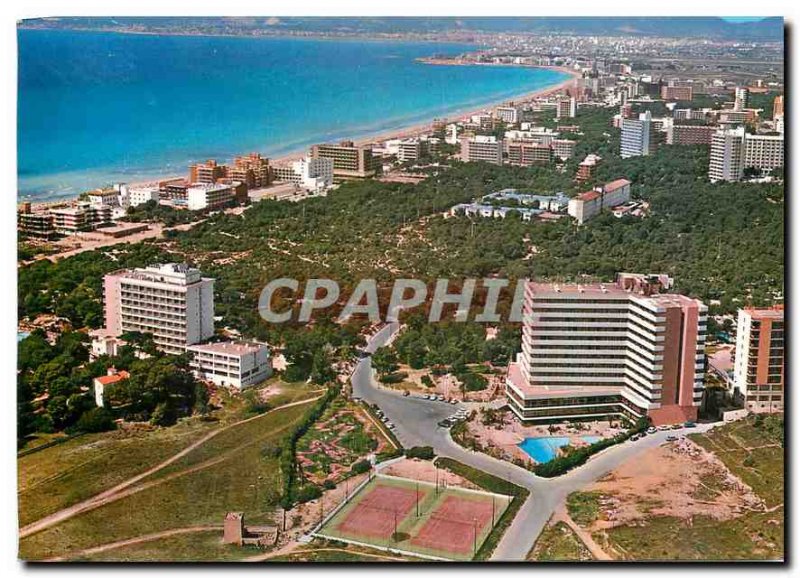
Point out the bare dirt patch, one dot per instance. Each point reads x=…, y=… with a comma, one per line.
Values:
x=678, y=480
x=426, y=471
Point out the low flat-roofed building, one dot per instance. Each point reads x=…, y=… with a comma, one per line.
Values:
x=236, y=364
x=201, y=196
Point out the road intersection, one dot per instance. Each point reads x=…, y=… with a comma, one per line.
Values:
x=416, y=419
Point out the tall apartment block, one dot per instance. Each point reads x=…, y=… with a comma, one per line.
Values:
x=758, y=370
x=777, y=107
x=587, y=168
x=526, y=153
x=566, y=107
x=173, y=302
x=670, y=92
x=690, y=134
x=349, y=161
x=638, y=136
x=763, y=151
x=595, y=351
x=733, y=150
x=741, y=98
x=482, y=148
x=207, y=172
x=726, y=162
x=509, y=114
x=253, y=170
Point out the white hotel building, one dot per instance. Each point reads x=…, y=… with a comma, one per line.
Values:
x=173, y=302
x=603, y=350
x=235, y=364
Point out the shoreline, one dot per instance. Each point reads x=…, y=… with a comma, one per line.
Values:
x=400, y=132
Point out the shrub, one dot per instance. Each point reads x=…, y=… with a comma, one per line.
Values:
x=329, y=485
x=96, y=420
x=421, y=452
x=361, y=467
x=396, y=377
x=308, y=492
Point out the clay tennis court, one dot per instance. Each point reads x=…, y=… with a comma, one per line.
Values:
x=374, y=514
x=452, y=527
x=430, y=521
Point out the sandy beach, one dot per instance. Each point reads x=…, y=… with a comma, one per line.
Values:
x=389, y=134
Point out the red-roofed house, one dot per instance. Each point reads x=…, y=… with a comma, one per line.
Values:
x=100, y=383
x=591, y=203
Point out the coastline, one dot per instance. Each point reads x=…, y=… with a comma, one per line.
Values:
x=399, y=132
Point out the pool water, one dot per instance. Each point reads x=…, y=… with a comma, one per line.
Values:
x=21, y=335
x=544, y=449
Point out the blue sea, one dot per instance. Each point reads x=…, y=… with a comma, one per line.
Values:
x=97, y=108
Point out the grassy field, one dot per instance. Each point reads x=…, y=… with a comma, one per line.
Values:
x=751, y=449
x=194, y=547
x=65, y=474
x=558, y=543
x=754, y=454
x=750, y=537
x=231, y=474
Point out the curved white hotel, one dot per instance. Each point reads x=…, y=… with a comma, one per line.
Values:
x=621, y=349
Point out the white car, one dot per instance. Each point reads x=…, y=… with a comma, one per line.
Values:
x=454, y=401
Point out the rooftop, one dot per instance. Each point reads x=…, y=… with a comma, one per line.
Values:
x=228, y=347
x=775, y=312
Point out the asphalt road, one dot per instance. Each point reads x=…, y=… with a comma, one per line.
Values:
x=416, y=420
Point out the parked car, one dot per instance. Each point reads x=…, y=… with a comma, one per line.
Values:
x=406, y=393
x=689, y=424
x=677, y=426
x=671, y=438
x=651, y=430
x=453, y=401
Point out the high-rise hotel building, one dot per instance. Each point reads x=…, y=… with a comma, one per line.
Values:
x=758, y=370
x=638, y=137
x=173, y=302
x=349, y=160
x=601, y=350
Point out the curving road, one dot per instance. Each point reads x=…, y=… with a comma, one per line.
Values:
x=416, y=420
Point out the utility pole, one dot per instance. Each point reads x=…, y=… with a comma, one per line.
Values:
x=492, y=510
x=474, y=536
x=395, y=524
x=416, y=491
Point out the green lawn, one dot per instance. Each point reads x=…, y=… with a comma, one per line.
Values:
x=558, y=543
x=244, y=480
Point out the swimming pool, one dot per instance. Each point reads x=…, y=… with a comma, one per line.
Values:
x=544, y=449
x=21, y=335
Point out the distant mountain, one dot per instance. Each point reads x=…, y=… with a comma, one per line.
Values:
x=703, y=27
